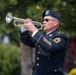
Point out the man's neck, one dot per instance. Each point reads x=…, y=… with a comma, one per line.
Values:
x=50, y=31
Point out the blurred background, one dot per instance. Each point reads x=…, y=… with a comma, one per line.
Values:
x=11, y=62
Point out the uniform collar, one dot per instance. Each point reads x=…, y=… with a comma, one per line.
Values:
x=53, y=31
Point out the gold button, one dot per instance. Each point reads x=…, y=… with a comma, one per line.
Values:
x=38, y=52
x=55, y=70
x=37, y=64
x=37, y=58
x=38, y=45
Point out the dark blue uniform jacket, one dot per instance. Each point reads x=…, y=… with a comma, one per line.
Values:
x=50, y=50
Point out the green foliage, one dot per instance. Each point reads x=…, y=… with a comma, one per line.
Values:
x=33, y=9
x=12, y=2
x=35, y=12
x=9, y=60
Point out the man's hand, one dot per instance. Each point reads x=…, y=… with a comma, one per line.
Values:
x=30, y=26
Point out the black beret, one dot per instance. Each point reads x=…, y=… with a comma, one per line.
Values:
x=51, y=13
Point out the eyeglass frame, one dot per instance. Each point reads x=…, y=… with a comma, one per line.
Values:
x=48, y=20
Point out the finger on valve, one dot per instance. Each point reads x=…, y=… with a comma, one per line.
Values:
x=27, y=20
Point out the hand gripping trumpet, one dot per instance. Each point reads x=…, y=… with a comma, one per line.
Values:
x=18, y=21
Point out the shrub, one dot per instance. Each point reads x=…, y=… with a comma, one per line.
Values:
x=9, y=60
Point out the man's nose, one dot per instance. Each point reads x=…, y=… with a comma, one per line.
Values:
x=44, y=22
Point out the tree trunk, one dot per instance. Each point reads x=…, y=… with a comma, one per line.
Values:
x=27, y=59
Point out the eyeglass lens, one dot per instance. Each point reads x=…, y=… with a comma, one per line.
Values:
x=46, y=20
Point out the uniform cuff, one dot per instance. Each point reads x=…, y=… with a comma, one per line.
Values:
x=22, y=29
x=34, y=33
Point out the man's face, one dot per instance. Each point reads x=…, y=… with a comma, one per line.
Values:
x=49, y=23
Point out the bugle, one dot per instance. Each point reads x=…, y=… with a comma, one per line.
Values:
x=18, y=22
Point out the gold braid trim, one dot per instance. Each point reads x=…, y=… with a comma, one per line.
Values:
x=39, y=39
x=47, y=41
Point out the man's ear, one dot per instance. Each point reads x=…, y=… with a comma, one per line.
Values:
x=56, y=22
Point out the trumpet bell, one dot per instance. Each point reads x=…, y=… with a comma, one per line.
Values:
x=9, y=17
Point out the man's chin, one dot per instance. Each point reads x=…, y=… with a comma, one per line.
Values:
x=44, y=29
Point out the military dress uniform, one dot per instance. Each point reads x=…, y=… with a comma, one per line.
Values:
x=50, y=51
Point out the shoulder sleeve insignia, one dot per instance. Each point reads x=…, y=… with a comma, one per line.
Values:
x=57, y=40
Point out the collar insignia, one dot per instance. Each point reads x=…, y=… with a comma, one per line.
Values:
x=50, y=35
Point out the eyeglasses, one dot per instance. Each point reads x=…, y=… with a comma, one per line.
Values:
x=48, y=20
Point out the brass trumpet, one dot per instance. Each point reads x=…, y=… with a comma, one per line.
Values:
x=18, y=21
